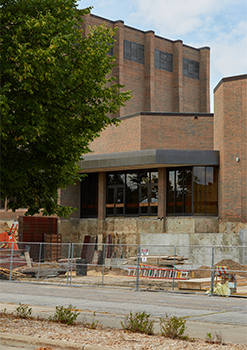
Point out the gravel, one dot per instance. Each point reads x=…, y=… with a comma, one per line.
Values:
x=115, y=338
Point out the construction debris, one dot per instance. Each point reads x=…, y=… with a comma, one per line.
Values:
x=5, y=274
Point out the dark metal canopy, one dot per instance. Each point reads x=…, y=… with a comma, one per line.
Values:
x=146, y=159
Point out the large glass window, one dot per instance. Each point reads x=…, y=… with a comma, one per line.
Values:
x=89, y=196
x=192, y=191
x=132, y=193
x=163, y=60
x=133, y=51
x=191, y=68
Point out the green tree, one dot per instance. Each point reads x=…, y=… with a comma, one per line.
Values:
x=56, y=96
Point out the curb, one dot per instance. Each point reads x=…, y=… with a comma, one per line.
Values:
x=19, y=340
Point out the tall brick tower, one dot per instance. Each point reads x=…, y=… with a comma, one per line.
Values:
x=230, y=138
x=164, y=75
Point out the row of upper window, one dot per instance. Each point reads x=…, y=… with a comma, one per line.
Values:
x=162, y=60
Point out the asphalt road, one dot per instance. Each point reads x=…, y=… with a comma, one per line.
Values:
x=203, y=313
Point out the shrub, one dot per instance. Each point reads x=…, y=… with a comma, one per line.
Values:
x=66, y=315
x=138, y=322
x=173, y=327
x=23, y=311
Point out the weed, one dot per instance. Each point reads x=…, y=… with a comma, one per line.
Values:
x=138, y=322
x=66, y=315
x=23, y=311
x=215, y=337
x=93, y=324
x=173, y=327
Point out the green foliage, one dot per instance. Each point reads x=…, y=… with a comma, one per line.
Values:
x=138, y=322
x=173, y=327
x=23, y=311
x=56, y=96
x=215, y=337
x=66, y=315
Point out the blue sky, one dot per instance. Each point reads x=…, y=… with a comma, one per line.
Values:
x=219, y=24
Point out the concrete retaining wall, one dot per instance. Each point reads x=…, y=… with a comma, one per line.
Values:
x=197, y=246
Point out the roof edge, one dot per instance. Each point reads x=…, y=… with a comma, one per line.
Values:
x=232, y=78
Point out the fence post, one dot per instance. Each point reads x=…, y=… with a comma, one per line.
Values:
x=174, y=261
x=138, y=267
x=212, y=274
x=40, y=252
x=103, y=266
x=68, y=264
x=71, y=263
x=11, y=261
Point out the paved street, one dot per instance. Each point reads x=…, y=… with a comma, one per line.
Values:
x=203, y=313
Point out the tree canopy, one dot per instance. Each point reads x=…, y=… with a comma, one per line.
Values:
x=56, y=96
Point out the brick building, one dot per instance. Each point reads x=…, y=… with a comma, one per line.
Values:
x=171, y=166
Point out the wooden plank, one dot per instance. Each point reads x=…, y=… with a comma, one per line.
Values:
x=28, y=260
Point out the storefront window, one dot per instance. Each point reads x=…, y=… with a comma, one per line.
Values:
x=89, y=196
x=132, y=193
x=192, y=191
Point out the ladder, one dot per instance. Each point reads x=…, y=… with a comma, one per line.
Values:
x=157, y=272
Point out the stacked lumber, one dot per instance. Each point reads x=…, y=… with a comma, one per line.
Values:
x=5, y=273
x=161, y=260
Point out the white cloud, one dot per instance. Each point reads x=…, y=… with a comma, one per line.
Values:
x=176, y=18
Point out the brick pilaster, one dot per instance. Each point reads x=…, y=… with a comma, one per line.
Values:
x=178, y=76
x=149, y=71
x=205, y=80
x=118, y=52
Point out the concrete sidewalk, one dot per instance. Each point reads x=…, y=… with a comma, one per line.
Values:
x=236, y=334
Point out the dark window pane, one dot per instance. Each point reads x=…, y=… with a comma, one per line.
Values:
x=120, y=195
x=134, y=52
x=154, y=210
x=163, y=60
x=191, y=68
x=188, y=190
x=179, y=191
x=119, y=210
x=109, y=211
x=127, y=55
x=154, y=176
x=144, y=195
x=154, y=194
x=171, y=192
x=132, y=193
x=144, y=177
x=110, y=179
x=211, y=190
x=157, y=59
x=199, y=190
x=110, y=196
x=120, y=178
x=144, y=202
x=89, y=196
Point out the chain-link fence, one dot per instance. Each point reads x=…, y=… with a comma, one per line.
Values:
x=202, y=269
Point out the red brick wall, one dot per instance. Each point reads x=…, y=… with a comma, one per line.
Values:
x=156, y=131
x=230, y=124
x=123, y=138
x=177, y=132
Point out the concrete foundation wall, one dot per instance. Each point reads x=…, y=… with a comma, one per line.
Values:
x=197, y=246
